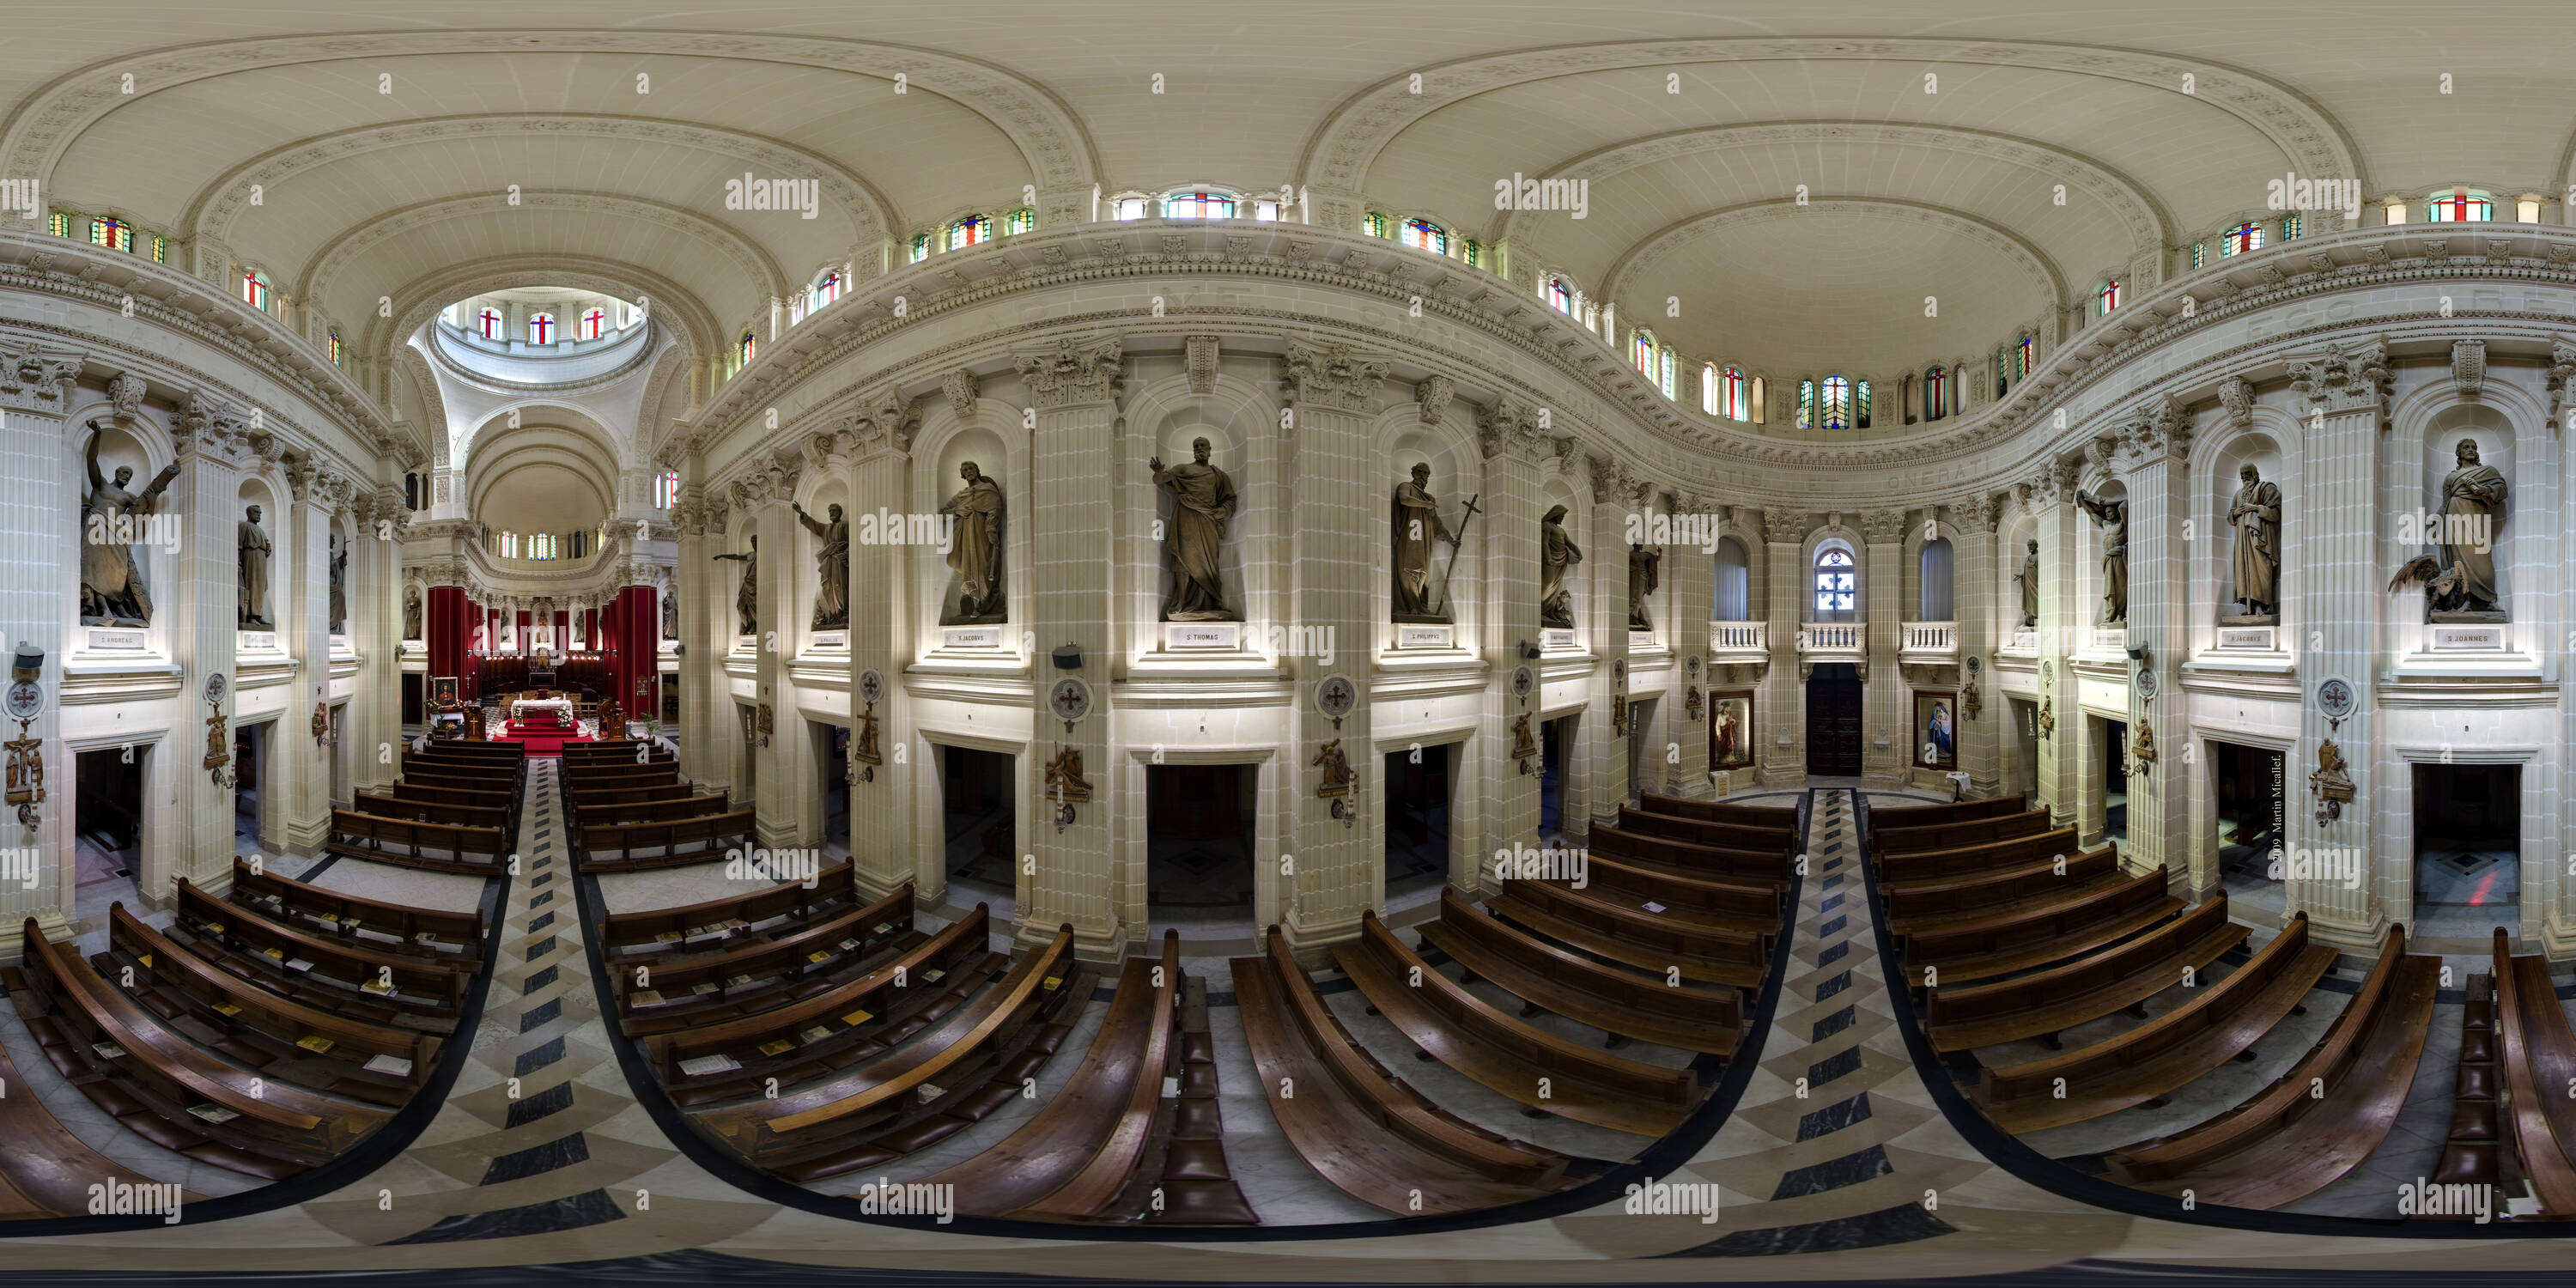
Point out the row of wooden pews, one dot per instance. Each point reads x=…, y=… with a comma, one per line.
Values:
x=631, y=811
x=455, y=809
x=2009, y=934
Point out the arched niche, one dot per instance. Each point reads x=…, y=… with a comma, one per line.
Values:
x=940, y=462
x=2493, y=433
x=274, y=603
x=1174, y=437
x=819, y=496
x=2223, y=481
x=1456, y=475
x=134, y=447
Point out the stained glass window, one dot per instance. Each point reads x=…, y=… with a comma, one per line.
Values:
x=1860, y=405
x=60, y=224
x=1666, y=361
x=1935, y=382
x=973, y=230
x=2025, y=356
x=920, y=247
x=1838, y=409
x=541, y=328
x=2199, y=254
x=254, y=288
x=594, y=323
x=2241, y=239
x=1200, y=205
x=1558, y=297
x=1377, y=224
x=490, y=322
x=2293, y=226
x=2459, y=207
x=1642, y=352
x=1475, y=253
x=1022, y=220
x=115, y=234
x=666, y=490
x=827, y=288
x=1837, y=583
x=335, y=348
x=1422, y=234
x=1731, y=394
x=2107, y=297
x=1806, y=404
x=742, y=351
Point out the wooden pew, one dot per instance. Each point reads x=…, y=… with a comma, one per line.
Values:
x=1690, y=859
x=2287, y=1142
x=438, y=847
x=488, y=750
x=596, y=797
x=383, y=806
x=1751, y=907
x=442, y=761
x=1773, y=817
x=2123, y=977
x=1885, y=841
x=680, y=841
x=46, y=1170
x=2166, y=1052
x=1774, y=843
x=1581, y=989
x=2536, y=1053
x=1920, y=866
x=1641, y=939
x=1504, y=1054
x=1902, y=816
x=750, y=976
x=347, y=915
x=883, y=1085
x=1359, y=1126
x=346, y=963
x=2470, y=1152
x=585, y=813
x=621, y=773
x=660, y=931
x=275, y=1129
x=285, y=1022
x=2018, y=939
x=1078, y=1155
x=1915, y=907
x=462, y=782
x=404, y=791
x=618, y=751
x=885, y=993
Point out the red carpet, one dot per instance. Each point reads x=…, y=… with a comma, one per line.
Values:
x=540, y=740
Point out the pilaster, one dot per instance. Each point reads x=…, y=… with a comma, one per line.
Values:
x=2154, y=465
x=1887, y=715
x=39, y=517
x=1507, y=436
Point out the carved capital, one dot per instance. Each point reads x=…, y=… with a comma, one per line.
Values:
x=1070, y=373
x=1508, y=424
x=2236, y=394
x=32, y=380
x=2562, y=382
x=2347, y=377
x=1785, y=527
x=1611, y=480
x=1979, y=513
x=963, y=392
x=2158, y=431
x=1198, y=362
x=1883, y=527
x=1432, y=397
x=2468, y=366
x=125, y=393
x=1333, y=376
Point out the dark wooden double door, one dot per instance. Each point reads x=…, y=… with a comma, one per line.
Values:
x=1833, y=721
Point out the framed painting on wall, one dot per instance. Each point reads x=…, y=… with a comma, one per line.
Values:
x=1936, y=729
x=1730, y=729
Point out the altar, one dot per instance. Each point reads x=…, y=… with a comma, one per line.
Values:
x=561, y=707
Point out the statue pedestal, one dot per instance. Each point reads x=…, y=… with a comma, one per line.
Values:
x=1181, y=637
x=1556, y=637
x=254, y=641
x=970, y=637
x=833, y=641
x=2483, y=638
x=2257, y=638
x=1423, y=634
x=2111, y=639
x=117, y=640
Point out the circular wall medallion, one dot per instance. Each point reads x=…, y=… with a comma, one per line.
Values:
x=26, y=699
x=215, y=689
x=1619, y=670
x=1972, y=666
x=1523, y=681
x=2336, y=697
x=1690, y=666
x=2047, y=671
x=1335, y=695
x=1070, y=699
x=871, y=685
x=2147, y=683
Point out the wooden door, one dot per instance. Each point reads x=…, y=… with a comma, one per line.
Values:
x=1833, y=721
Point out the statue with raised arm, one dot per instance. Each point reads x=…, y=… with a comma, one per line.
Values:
x=112, y=586
x=746, y=601
x=975, y=549
x=253, y=566
x=1556, y=553
x=2113, y=515
x=1417, y=525
x=2255, y=563
x=1642, y=580
x=1202, y=500
x=832, y=561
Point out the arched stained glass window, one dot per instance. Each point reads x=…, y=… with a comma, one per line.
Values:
x=1935, y=382
x=2107, y=297
x=541, y=328
x=2460, y=206
x=743, y=349
x=1837, y=583
x=1806, y=404
x=827, y=288
x=1377, y=223
x=1665, y=362
x=1422, y=234
x=1838, y=406
x=1641, y=350
x=2293, y=226
x=489, y=323
x=972, y=230
x=1022, y=220
x=1860, y=404
x=2199, y=254
x=1475, y=251
x=1199, y=205
x=1731, y=400
x=59, y=223
x=594, y=323
x=920, y=247
x=1559, y=296
x=335, y=348
x=115, y=234
x=2025, y=356
x=2241, y=239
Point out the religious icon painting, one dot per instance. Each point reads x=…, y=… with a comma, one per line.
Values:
x=1936, y=729
x=1730, y=729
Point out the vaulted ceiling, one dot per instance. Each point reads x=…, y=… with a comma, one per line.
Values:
x=398, y=155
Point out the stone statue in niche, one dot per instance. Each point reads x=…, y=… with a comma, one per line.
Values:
x=2462, y=586
x=2255, y=514
x=411, y=613
x=1642, y=580
x=253, y=565
x=832, y=563
x=112, y=588
x=1202, y=500
x=670, y=616
x=746, y=601
x=1556, y=553
x=975, y=549
x=339, y=585
x=2030, y=586
x=1417, y=525
x=2113, y=516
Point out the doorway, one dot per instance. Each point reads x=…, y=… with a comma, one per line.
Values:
x=2253, y=807
x=1417, y=820
x=1641, y=720
x=2468, y=847
x=1833, y=721
x=340, y=797
x=107, y=828
x=1555, y=747
x=2114, y=750
x=1199, y=844
x=832, y=750
x=977, y=821
x=250, y=786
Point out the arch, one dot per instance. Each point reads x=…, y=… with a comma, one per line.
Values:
x=561, y=415
x=540, y=449
x=1935, y=597
x=1732, y=600
x=2042, y=270
x=1822, y=554
x=747, y=256
x=1058, y=149
x=413, y=365
x=212, y=212
x=2150, y=225
x=415, y=302
x=1346, y=143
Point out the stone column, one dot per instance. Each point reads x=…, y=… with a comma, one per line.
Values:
x=375, y=711
x=1887, y=704
x=300, y=595
x=1973, y=589
x=783, y=777
x=1784, y=699
x=882, y=843
x=1071, y=386
x=1690, y=586
x=2340, y=584
x=2155, y=467
x=40, y=528
x=2061, y=617
x=1338, y=866
x=205, y=602
x=1508, y=798
x=705, y=758
x=1597, y=775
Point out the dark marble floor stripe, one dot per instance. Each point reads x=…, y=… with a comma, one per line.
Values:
x=552, y=1216
x=1833, y=954
x=539, y=1056
x=1833, y=1066
x=537, y=1015
x=552, y=1100
x=1904, y=1223
x=537, y=1160
x=1834, y=1117
x=1831, y=1024
x=1833, y=1174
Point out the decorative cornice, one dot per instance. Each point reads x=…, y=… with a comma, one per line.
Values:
x=1334, y=377
x=1071, y=373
